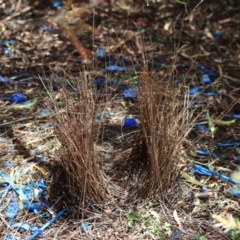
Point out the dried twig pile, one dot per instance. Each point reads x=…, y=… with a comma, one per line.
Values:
x=76, y=126
x=164, y=120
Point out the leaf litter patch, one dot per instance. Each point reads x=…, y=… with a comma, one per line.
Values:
x=210, y=70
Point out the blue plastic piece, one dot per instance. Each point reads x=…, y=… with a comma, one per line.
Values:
x=6, y=179
x=204, y=171
x=130, y=95
x=217, y=34
x=200, y=170
x=10, y=237
x=7, y=80
x=210, y=94
x=15, y=98
x=16, y=77
x=193, y=91
x=215, y=156
x=129, y=122
x=125, y=60
x=99, y=82
x=7, y=42
x=175, y=235
x=22, y=227
x=206, y=79
x=9, y=164
x=42, y=184
x=32, y=207
x=3, y=79
x=100, y=53
x=57, y=5
x=235, y=192
x=112, y=69
x=84, y=226
x=37, y=231
x=26, y=193
x=212, y=74
x=202, y=152
x=12, y=210
x=109, y=152
x=47, y=224
x=201, y=127
x=45, y=28
x=40, y=159
x=43, y=216
x=207, y=71
x=4, y=140
x=229, y=144
x=8, y=52
x=238, y=159
x=236, y=116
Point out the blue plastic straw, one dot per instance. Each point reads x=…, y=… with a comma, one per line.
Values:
x=47, y=224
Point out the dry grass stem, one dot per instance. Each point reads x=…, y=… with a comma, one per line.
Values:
x=164, y=121
x=76, y=127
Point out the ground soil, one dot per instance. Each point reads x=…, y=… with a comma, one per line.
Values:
x=170, y=34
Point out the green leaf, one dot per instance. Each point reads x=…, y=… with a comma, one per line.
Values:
x=192, y=179
x=180, y=2
x=25, y=105
x=225, y=122
x=211, y=124
x=215, y=122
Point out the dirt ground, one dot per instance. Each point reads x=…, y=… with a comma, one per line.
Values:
x=44, y=44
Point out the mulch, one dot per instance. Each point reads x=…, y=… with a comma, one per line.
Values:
x=36, y=56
